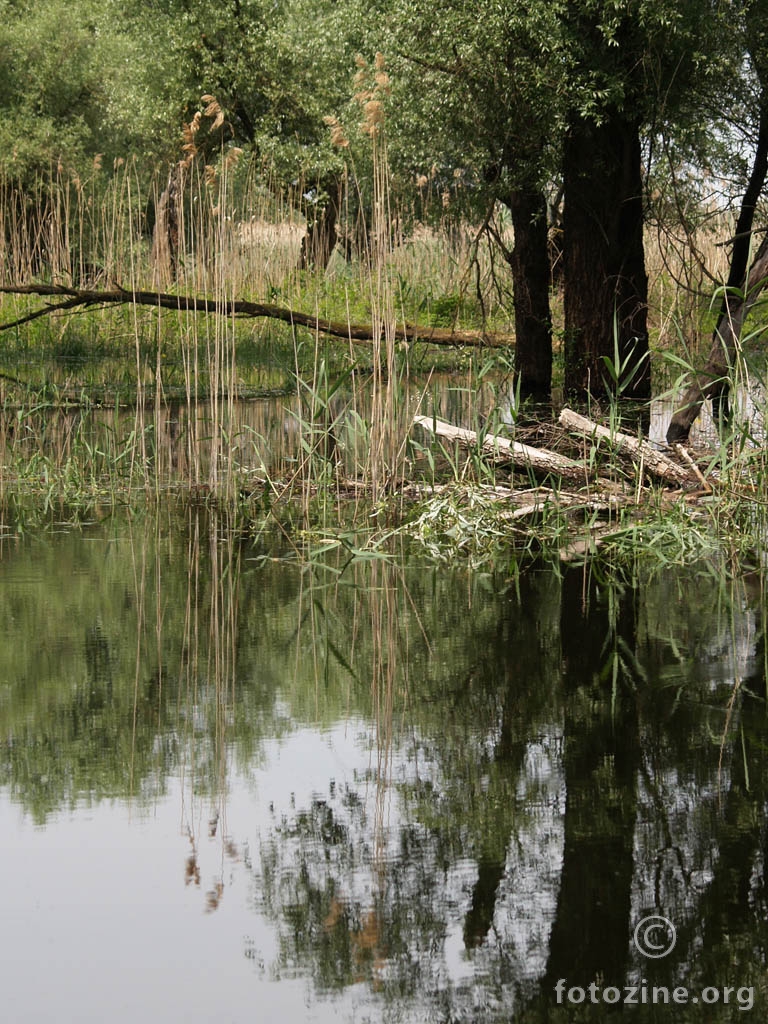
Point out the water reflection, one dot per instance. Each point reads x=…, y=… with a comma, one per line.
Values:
x=748, y=410
x=376, y=791
x=194, y=442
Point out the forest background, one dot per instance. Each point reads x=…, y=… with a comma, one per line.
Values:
x=594, y=169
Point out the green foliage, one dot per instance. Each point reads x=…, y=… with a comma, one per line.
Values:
x=480, y=95
x=72, y=85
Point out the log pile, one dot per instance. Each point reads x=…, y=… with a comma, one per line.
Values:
x=578, y=487
x=645, y=456
x=646, y=459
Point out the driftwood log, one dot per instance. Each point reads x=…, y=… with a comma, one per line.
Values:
x=72, y=298
x=640, y=451
x=502, y=450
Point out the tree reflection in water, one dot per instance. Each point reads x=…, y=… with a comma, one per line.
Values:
x=477, y=788
x=590, y=757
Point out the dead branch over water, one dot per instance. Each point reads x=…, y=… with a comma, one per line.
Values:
x=73, y=298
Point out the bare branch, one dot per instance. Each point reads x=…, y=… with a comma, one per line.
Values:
x=69, y=304
x=241, y=308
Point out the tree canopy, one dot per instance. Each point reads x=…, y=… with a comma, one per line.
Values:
x=619, y=107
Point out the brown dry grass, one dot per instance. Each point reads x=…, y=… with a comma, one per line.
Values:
x=684, y=269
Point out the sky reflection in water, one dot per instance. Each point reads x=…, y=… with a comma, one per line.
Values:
x=235, y=789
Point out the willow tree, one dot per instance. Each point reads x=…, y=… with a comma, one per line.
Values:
x=60, y=124
x=631, y=63
x=472, y=100
x=572, y=89
x=748, y=263
x=276, y=70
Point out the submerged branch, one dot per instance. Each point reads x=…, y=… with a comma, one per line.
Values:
x=239, y=307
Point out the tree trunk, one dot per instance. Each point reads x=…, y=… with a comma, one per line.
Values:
x=713, y=382
x=713, y=379
x=165, y=239
x=529, y=263
x=606, y=287
x=318, y=243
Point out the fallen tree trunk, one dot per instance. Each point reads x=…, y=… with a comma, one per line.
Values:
x=501, y=449
x=75, y=297
x=653, y=461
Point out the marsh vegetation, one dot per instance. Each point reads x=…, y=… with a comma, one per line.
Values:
x=112, y=398
x=383, y=507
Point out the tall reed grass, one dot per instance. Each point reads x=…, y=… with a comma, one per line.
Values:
x=167, y=417
x=217, y=225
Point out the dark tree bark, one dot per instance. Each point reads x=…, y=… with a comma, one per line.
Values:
x=529, y=263
x=741, y=292
x=606, y=287
x=601, y=758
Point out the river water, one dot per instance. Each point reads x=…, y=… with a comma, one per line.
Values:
x=242, y=786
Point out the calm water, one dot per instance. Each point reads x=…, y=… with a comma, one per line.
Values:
x=237, y=788
x=180, y=442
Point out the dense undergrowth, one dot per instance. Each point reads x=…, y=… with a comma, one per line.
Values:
x=314, y=437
